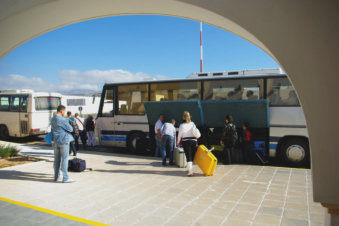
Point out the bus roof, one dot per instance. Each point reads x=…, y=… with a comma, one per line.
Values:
x=198, y=79
x=29, y=91
x=247, y=72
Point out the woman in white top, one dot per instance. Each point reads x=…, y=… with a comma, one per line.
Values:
x=189, y=142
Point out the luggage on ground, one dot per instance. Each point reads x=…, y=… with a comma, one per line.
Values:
x=206, y=161
x=180, y=157
x=76, y=165
x=258, y=153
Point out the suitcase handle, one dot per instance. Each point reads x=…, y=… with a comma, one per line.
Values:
x=210, y=149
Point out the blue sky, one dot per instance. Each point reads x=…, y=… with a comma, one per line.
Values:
x=125, y=48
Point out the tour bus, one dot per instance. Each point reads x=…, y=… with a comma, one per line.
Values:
x=26, y=113
x=122, y=121
x=84, y=105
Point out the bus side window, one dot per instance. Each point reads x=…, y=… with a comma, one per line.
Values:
x=236, y=89
x=173, y=91
x=4, y=103
x=132, y=98
x=108, y=106
x=15, y=103
x=23, y=104
x=280, y=92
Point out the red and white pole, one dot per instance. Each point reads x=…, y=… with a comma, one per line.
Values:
x=200, y=46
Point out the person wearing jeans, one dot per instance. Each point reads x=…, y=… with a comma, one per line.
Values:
x=157, y=135
x=61, y=137
x=168, y=133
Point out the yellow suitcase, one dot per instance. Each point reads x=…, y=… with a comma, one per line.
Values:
x=206, y=161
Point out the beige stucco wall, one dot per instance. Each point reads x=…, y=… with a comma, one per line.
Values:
x=302, y=36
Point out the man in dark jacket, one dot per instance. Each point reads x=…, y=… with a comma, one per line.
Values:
x=75, y=133
x=228, y=139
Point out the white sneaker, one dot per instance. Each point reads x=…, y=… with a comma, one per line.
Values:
x=59, y=179
x=68, y=181
x=190, y=169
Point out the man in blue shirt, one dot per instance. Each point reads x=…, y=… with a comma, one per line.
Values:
x=168, y=133
x=61, y=136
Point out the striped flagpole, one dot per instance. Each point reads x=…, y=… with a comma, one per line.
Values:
x=200, y=46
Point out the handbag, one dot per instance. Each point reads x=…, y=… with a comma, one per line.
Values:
x=196, y=133
x=48, y=138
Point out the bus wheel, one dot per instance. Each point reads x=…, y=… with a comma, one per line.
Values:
x=136, y=143
x=295, y=152
x=4, y=134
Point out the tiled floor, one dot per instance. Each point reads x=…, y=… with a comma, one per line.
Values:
x=130, y=190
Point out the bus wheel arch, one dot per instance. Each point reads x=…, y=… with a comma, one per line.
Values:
x=294, y=151
x=4, y=133
x=136, y=142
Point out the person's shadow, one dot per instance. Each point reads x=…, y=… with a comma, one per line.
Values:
x=18, y=175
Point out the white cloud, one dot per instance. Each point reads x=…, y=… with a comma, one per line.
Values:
x=15, y=81
x=100, y=76
x=74, y=80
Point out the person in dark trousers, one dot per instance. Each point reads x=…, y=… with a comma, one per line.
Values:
x=75, y=133
x=90, y=127
x=189, y=141
x=228, y=139
x=82, y=132
x=246, y=142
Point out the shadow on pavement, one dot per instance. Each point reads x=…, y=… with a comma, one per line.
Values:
x=154, y=164
x=176, y=173
x=18, y=175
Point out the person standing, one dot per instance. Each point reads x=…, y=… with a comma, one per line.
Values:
x=189, y=141
x=228, y=139
x=157, y=135
x=246, y=142
x=90, y=127
x=75, y=133
x=82, y=133
x=61, y=137
x=168, y=133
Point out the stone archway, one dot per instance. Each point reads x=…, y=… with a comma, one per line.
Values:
x=302, y=36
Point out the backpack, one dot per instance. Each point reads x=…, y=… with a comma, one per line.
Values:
x=232, y=133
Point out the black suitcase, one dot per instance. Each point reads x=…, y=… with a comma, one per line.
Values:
x=76, y=165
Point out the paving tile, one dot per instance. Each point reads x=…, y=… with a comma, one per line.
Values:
x=186, y=216
x=273, y=203
x=152, y=220
x=244, y=207
x=236, y=214
x=293, y=222
x=208, y=221
x=271, y=211
x=267, y=219
x=178, y=222
x=237, y=222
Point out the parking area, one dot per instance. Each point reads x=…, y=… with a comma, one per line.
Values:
x=136, y=190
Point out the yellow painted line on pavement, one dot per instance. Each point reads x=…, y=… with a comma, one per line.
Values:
x=53, y=212
x=283, y=167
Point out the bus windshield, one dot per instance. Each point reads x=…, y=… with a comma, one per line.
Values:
x=46, y=103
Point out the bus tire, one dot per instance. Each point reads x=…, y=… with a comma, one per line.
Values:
x=295, y=152
x=4, y=134
x=136, y=143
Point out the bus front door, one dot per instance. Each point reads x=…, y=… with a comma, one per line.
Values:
x=24, y=117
